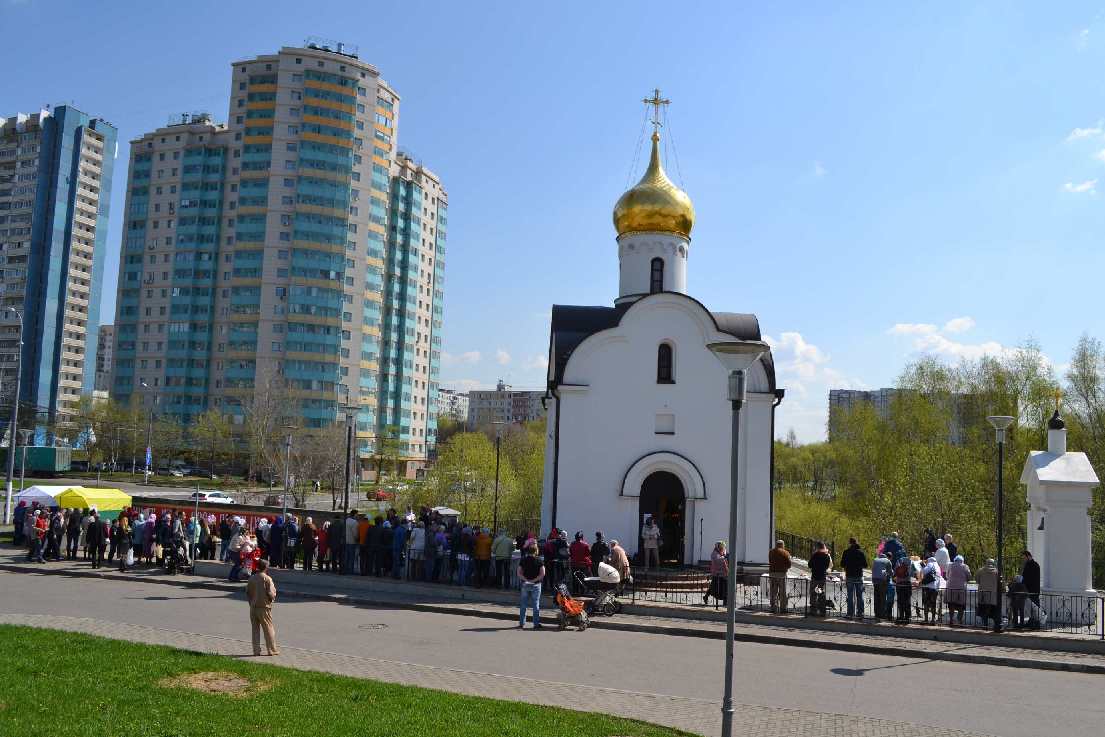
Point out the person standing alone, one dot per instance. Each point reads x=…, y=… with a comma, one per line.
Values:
x=531, y=572
x=261, y=593
x=650, y=543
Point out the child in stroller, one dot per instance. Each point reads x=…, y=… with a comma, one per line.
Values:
x=602, y=589
x=572, y=612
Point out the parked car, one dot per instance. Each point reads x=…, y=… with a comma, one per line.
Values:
x=178, y=472
x=212, y=497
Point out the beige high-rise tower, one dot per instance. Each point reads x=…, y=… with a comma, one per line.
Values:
x=269, y=252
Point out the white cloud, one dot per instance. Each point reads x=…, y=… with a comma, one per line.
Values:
x=468, y=357
x=959, y=325
x=1091, y=132
x=804, y=370
x=539, y=361
x=1082, y=187
x=1083, y=39
x=1100, y=155
x=913, y=328
x=819, y=170
x=502, y=357
x=466, y=385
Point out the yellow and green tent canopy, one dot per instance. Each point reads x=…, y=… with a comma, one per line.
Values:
x=104, y=500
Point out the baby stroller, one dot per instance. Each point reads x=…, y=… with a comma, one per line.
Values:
x=572, y=612
x=603, y=594
x=176, y=557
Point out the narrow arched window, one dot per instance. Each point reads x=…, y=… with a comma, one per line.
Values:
x=665, y=370
x=656, y=281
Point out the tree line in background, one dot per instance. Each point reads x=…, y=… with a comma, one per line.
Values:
x=930, y=462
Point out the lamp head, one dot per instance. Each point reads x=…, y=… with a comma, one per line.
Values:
x=1000, y=423
x=738, y=355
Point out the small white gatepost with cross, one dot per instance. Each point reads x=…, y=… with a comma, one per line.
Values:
x=1060, y=494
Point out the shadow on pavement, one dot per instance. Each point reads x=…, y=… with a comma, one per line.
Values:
x=860, y=672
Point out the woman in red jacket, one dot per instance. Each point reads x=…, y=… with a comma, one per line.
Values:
x=580, y=553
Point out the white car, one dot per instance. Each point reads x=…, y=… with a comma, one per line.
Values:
x=212, y=497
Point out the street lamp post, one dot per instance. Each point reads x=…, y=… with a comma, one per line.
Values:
x=14, y=419
x=1000, y=423
x=736, y=356
x=23, y=466
x=498, y=442
x=149, y=439
x=350, y=410
x=287, y=467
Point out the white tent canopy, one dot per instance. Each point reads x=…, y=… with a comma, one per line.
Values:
x=44, y=495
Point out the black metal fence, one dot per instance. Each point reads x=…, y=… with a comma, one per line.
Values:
x=1071, y=614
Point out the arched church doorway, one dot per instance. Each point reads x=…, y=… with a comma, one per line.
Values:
x=663, y=498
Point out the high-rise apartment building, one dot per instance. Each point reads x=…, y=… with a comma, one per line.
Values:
x=104, y=352
x=286, y=245
x=55, y=187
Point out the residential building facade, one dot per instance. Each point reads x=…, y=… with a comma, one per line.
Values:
x=452, y=403
x=104, y=351
x=259, y=251
x=504, y=404
x=963, y=410
x=55, y=185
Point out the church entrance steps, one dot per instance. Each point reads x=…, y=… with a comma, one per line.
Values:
x=1020, y=649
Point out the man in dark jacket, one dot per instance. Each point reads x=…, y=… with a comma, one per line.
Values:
x=1030, y=575
x=383, y=555
x=853, y=562
x=599, y=552
x=894, y=548
x=820, y=563
x=72, y=535
x=96, y=540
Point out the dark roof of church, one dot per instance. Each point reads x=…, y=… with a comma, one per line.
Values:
x=572, y=324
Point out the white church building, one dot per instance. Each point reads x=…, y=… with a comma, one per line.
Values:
x=638, y=420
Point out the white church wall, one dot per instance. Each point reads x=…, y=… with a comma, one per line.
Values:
x=609, y=423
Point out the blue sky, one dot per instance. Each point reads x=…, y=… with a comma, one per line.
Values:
x=873, y=180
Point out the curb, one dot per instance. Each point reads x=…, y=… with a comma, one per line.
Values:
x=604, y=624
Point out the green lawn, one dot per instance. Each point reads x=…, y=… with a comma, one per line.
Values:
x=62, y=684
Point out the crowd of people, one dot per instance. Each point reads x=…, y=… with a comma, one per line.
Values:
x=941, y=575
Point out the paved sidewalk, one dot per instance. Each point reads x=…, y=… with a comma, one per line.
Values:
x=1000, y=655
x=695, y=715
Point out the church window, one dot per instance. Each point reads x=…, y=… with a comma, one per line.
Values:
x=656, y=282
x=665, y=370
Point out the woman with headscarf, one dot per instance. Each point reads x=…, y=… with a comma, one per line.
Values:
x=121, y=540
x=956, y=592
x=276, y=543
x=943, y=558
x=931, y=580
x=719, y=574
x=309, y=539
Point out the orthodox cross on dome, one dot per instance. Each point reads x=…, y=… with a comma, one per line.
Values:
x=1058, y=397
x=657, y=102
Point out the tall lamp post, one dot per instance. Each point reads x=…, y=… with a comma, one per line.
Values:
x=287, y=466
x=149, y=439
x=498, y=442
x=736, y=356
x=350, y=410
x=23, y=464
x=14, y=419
x=1000, y=423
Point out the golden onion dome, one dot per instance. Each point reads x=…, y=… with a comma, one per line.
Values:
x=655, y=204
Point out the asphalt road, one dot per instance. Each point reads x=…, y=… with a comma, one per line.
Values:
x=1000, y=701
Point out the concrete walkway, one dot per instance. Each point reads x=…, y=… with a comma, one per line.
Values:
x=1006, y=651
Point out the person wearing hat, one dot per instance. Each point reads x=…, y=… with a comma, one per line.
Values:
x=778, y=563
x=580, y=555
x=261, y=593
x=600, y=551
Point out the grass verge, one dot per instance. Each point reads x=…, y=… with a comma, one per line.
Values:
x=72, y=685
